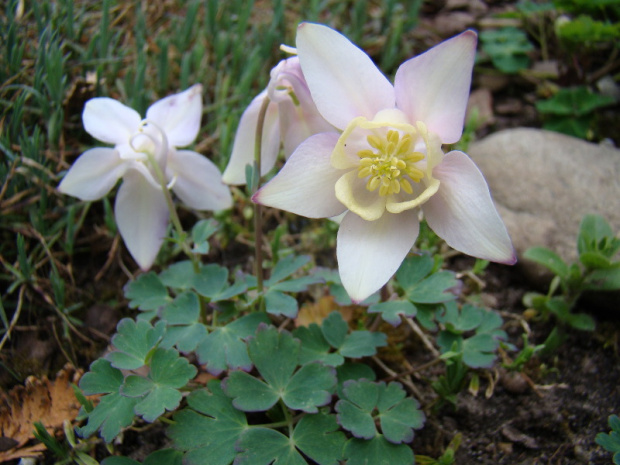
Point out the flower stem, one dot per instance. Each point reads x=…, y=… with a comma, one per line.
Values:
x=161, y=178
x=258, y=214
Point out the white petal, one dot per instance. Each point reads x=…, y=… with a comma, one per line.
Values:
x=243, y=145
x=297, y=123
x=198, y=181
x=142, y=217
x=343, y=80
x=434, y=87
x=305, y=184
x=370, y=252
x=462, y=211
x=179, y=115
x=110, y=121
x=93, y=174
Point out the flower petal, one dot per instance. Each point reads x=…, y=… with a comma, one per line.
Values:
x=243, y=145
x=198, y=181
x=110, y=121
x=434, y=87
x=370, y=252
x=297, y=123
x=93, y=174
x=343, y=80
x=142, y=217
x=462, y=211
x=179, y=115
x=305, y=184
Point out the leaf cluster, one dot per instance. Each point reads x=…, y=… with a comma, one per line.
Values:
x=572, y=110
x=598, y=269
x=611, y=441
x=508, y=48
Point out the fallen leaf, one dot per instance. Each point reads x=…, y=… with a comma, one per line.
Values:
x=317, y=312
x=42, y=400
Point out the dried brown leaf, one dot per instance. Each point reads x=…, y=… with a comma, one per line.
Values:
x=42, y=400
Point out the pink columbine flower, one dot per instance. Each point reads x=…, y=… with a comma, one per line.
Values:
x=141, y=211
x=387, y=161
x=291, y=118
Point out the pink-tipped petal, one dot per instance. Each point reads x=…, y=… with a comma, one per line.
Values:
x=343, y=80
x=243, y=145
x=370, y=252
x=178, y=115
x=462, y=211
x=305, y=184
x=93, y=174
x=434, y=87
x=198, y=181
x=142, y=217
x=110, y=121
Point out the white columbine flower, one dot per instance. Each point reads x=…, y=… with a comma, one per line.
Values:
x=141, y=211
x=291, y=118
x=387, y=162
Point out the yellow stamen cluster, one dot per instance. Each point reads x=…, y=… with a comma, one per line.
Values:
x=387, y=165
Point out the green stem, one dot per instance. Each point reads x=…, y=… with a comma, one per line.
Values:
x=174, y=216
x=258, y=215
x=288, y=418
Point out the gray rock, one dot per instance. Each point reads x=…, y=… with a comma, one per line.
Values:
x=543, y=183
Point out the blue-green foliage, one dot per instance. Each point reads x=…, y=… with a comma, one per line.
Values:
x=611, y=441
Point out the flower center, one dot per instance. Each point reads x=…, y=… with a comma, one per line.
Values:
x=391, y=165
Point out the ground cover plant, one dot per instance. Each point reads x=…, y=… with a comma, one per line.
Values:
x=197, y=325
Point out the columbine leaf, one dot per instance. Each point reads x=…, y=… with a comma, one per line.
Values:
x=479, y=349
x=169, y=372
x=297, y=284
x=353, y=371
x=377, y=451
x=209, y=429
x=201, y=232
x=147, y=292
x=335, y=334
x=249, y=393
x=164, y=457
x=315, y=348
x=277, y=303
x=392, y=310
x=263, y=446
x=134, y=341
x=335, y=329
x=317, y=436
x=224, y=348
x=210, y=280
x=414, y=269
x=275, y=356
x=398, y=414
x=434, y=289
x=310, y=387
x=102, y=378
x=362, y=344
x=183, y=310
x=114, y=412
x=286, y=267
x=184, y=330
x=179, y=275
